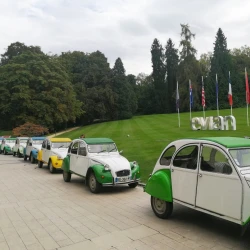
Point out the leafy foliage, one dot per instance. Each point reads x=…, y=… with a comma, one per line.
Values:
x=30, y=129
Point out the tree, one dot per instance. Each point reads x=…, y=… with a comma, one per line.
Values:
x=124, y=91
x=39, y=91
x=30, y=129
x=158, y=74
x=171, y=55
x=221, y=64
x=188, y=69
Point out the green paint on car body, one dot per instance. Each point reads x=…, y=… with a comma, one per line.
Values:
x=103, y=176
x=159, y=185
x=65, y=165
x=246, y=222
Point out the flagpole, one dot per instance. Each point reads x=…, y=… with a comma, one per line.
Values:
x=190, y=99
x=247, y=94
x=217, y=98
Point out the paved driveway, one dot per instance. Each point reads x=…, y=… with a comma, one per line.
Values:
x=38, y=210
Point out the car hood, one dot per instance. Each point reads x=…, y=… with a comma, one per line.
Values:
x=62, y=152
x=115, y=162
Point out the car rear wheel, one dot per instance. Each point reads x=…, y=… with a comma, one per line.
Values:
x=19, y=154
x=14, y=153
x=94, y=185
x=133, y=185
x=4, y=152
x=51, y=168
x=40, y=164
x=25, y=157
x=66, y=176
x=161, y=208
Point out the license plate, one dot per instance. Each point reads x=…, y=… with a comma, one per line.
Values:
x=122, y=179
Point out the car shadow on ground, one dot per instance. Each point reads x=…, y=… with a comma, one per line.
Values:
x=208, y=223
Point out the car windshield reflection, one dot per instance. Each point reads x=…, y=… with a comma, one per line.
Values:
x=38, y=142
x=100, y=148
x=241, y=156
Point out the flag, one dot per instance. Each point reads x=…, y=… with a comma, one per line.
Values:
x=230, y=94
x=190, y=94
x=177, y=97
x=203, y=100
x=247, y=88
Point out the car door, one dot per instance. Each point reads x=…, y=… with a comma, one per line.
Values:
x=219, y=187
x=45, y=151
x=73, y=156
x=28, y=147
x=82, y=162
x=184, y=172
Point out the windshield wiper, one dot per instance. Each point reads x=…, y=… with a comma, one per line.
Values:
x=102, y=151
x=112, y=149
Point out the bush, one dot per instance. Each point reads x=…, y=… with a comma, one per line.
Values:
x=30, y=129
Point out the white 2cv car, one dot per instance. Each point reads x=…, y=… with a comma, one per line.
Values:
x=211, y=175
x=99, y=162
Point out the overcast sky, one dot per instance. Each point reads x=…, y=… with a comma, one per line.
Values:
x=121, y=28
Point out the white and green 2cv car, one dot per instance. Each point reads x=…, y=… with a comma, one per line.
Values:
x=211, y=175
x=99, y=162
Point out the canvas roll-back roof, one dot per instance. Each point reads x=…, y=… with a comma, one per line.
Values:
x=37, y=138
x=98, y=140
x=60, y=139
x=229, y=142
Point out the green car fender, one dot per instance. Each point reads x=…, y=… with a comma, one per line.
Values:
x=135, y=171
x=65, y=164
x=159, y=185
x=102, y=175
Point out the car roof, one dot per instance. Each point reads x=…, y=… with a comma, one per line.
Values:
x=229, y=142
x=97, y=140
x=21, y=137
x=60, y=139
x=11, y=138
x=37, y=138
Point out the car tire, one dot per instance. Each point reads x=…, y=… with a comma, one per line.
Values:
x=4, y=152
x=14, y=154
x=32, y=159
x=133, y=185
x=40, y=164
x=25, y=157
x=18, y=154
x=51, y=168
x=161, y=208
x=66, y=176
x=94, y=185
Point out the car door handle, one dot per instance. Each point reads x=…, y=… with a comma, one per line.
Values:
x=200, y=175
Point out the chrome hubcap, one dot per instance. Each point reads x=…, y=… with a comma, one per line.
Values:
x=92, y=182
x=159, y=205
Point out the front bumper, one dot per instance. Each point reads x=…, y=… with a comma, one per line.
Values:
x=120, y=183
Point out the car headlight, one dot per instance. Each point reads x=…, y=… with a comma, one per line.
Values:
x=106, y=167
x=134, y=163
x=59, y=157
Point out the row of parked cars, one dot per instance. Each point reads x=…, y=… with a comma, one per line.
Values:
x=95, y=159
x=211, y=175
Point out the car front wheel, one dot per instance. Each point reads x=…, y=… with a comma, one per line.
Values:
x=66, y=176
x=133, y=185
x=14, y=153
x=94, y=185
x=161, y=208
x=19, y=154
x=4, y=152
x=32, y=159
x=25, y=157
x=51, y=168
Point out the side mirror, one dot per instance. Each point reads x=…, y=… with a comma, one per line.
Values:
x=121, y=152
x=30, y=144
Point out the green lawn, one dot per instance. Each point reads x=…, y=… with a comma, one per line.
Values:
x=150, y=134
x=3, y=132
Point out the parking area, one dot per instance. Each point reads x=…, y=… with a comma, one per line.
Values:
x=38, y=210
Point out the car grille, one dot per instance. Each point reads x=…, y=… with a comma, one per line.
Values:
x=123, y=173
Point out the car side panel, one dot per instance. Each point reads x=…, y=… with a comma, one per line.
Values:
x=40, y=155
x=159, y=185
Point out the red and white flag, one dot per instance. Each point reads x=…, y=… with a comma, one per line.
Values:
x=203, y=99
x=230, y=94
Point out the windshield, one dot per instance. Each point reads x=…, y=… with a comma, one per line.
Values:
x=23, y=140
x=98, y=148
x=10, y=141
x=241, y=156
x=60, y=144
x=38, y=142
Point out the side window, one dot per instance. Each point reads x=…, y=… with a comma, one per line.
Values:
x=74, y=148
x=48, y=145
x=69, y=148
x=213, y=160
x=44, y=144
x=187, y=157
x=167, y=156
x=82, y=149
